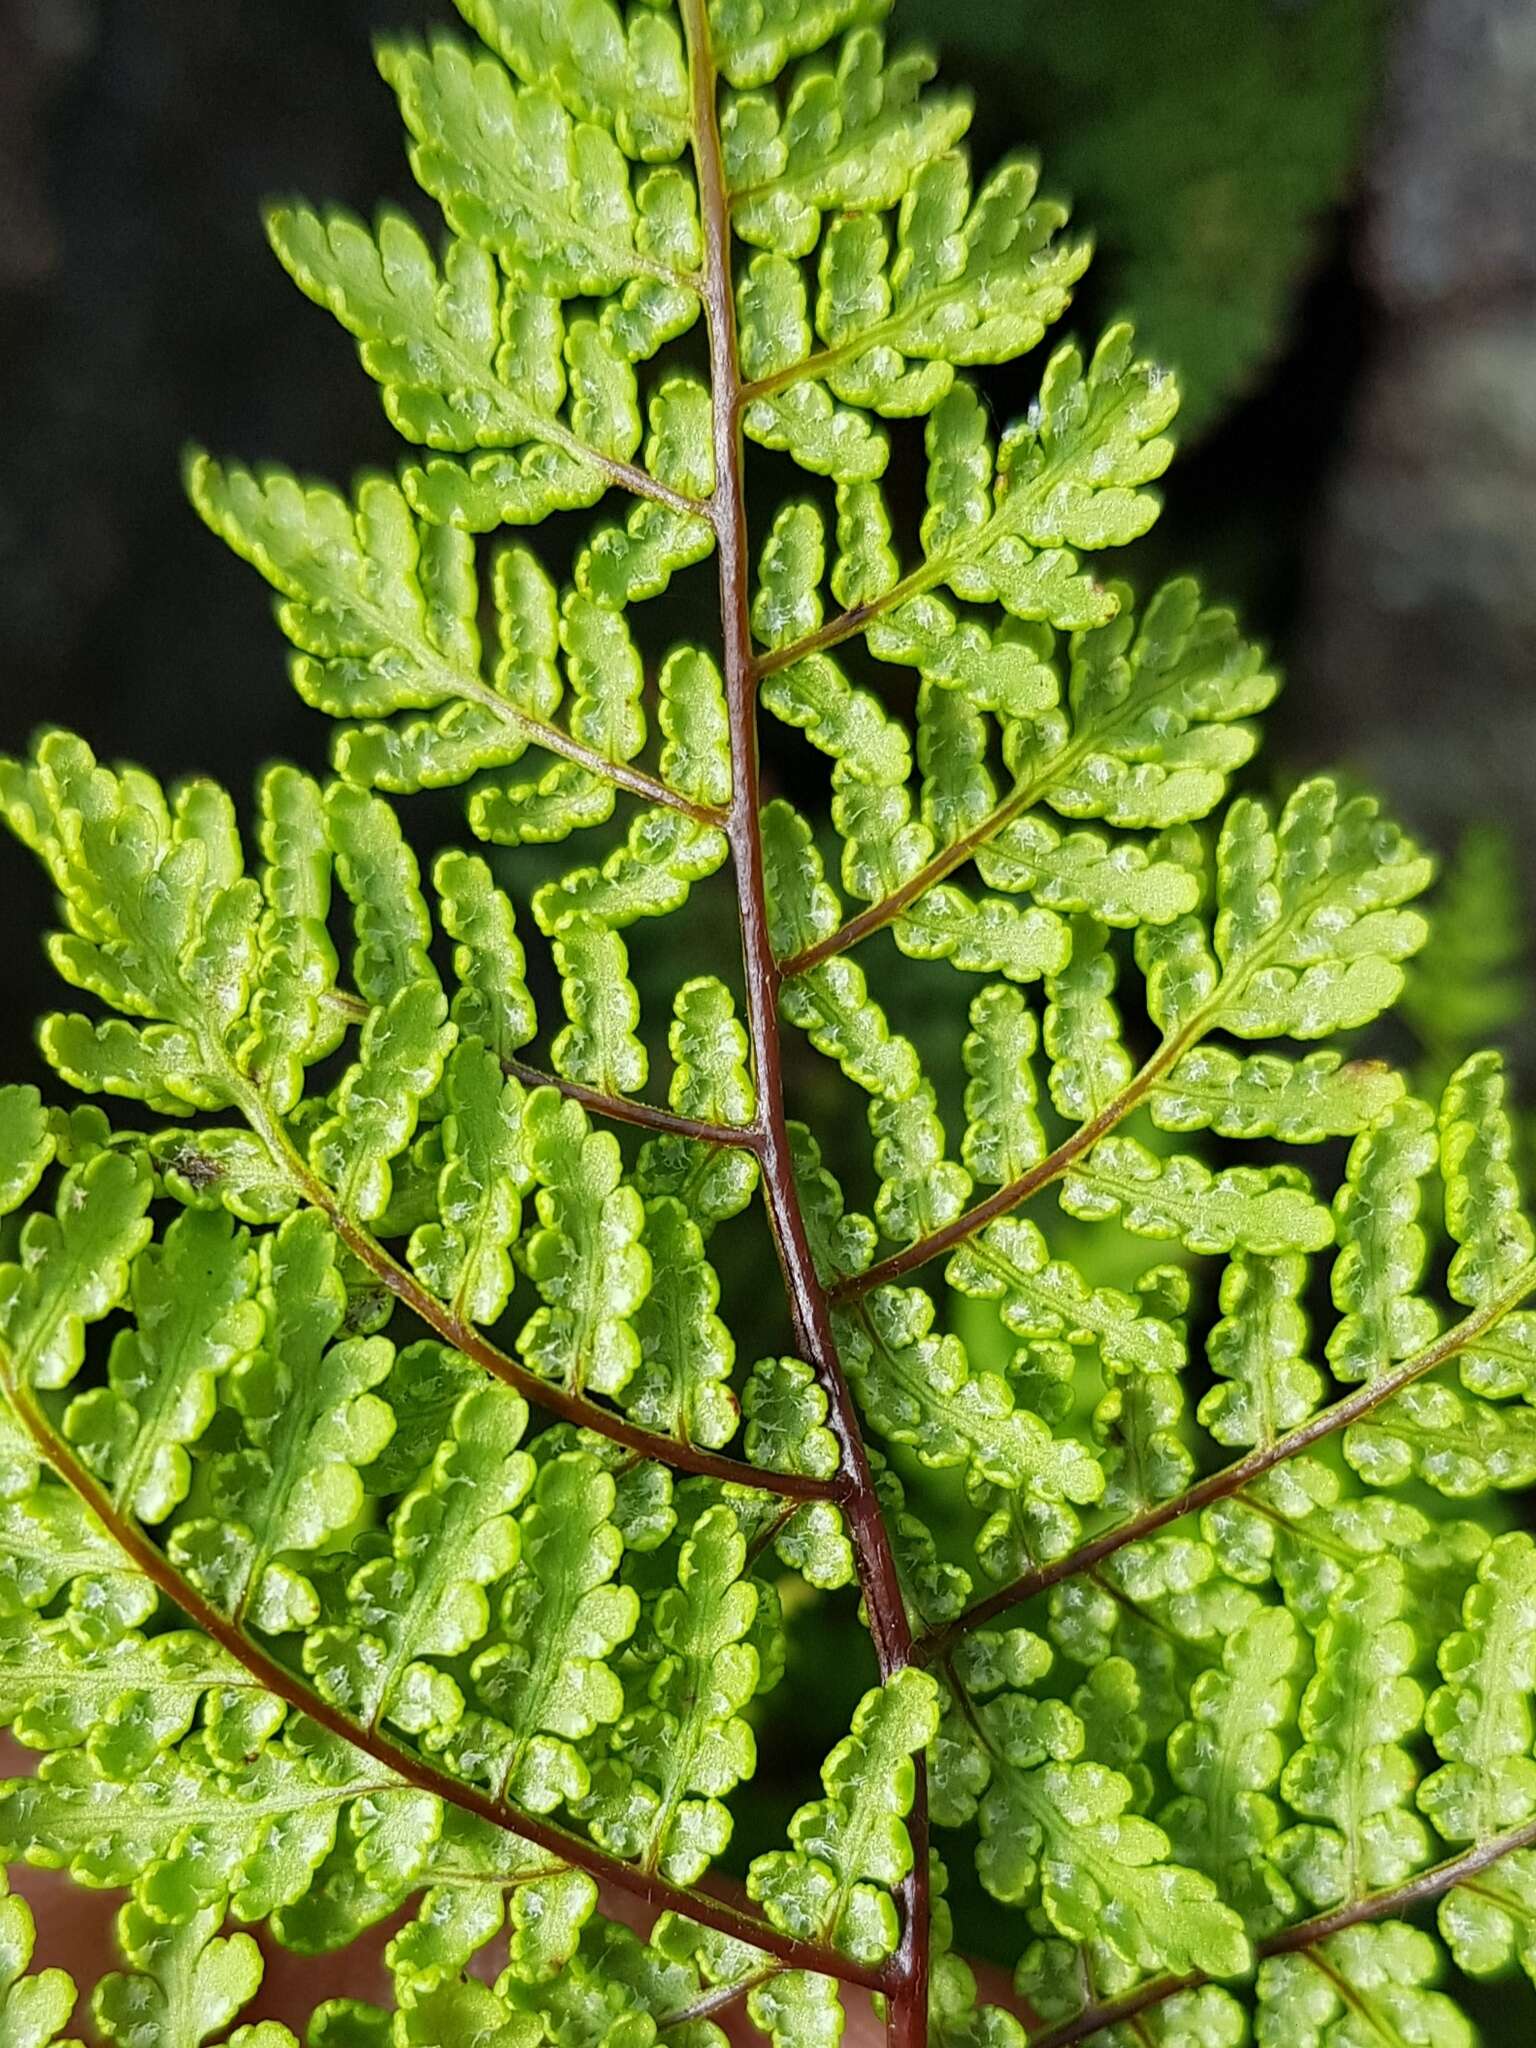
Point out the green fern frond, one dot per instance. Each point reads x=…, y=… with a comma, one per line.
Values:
x=417, y=1506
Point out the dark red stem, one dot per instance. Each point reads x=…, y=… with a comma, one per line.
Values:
x=645, y=1116
x=809, y=1306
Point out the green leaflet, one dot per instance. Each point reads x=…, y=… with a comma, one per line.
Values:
x=380, y=609
x=852, y=1847
x=1480, y=1718
x=1265, y=1096
x=1121, y=884
x=307, y=1420
x=1490, y=1927
x=649, y=876
x=1226, y=1762
x=1382, y=1248
x=1006, y=1758
x=586, y=1258
x=1089, y=1065
x=599, y=1046
x=1141, y=1420
x=291, y=1018
x=193, y=1296
x=614, y=1979
x=710, y=1082
x=127, y=1702
x=400, y=1061
x=963, y=280
x=1378, y=1977
x=1256, y=1209
x=423, y=1597
x=1041, y=1298
x=492, y=1002
x=466, y=1256
x=1482, y=1195
x=1156, y=710
x=1310, y=929
x=34, y=2007
x=849, y=140
x=557, y=197
x=187, y=1984
x=1352, y=1781
x=920, y=1190
x=1459, y=1444
x=1003, y=1138
x=786, y=1410
x=1258, y=1350
x=681, y=1386
x=628, y=75
x=26, y=1145
x=74, y=1268
x=162, y=926
x=920, y=1388
x=110, y=1833
x=684, y=1744
x=546, y=1683
x=696, y=752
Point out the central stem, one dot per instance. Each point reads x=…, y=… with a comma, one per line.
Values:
x=809, y=1305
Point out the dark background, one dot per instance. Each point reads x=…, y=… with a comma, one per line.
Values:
x=1324, y=211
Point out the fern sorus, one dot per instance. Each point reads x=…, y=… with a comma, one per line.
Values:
x=418, y=1506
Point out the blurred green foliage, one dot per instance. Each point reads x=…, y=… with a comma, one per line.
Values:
x=1205, y=141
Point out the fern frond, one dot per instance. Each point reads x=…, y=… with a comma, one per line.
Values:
x=416, y=1504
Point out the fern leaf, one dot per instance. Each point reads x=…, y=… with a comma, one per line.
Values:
x=400, y=1062
x=465, y=1257
x=487, y=1678
x=1310, y=930
x=920, y=1389
x=1489, y=1926
x=1259, y=1210
x=547, y=1681
x=685, y=1745
x=1003, y=1137
x=1482, y=1196
x=1480, y=1718
x=556, y=198
x=35, y=2007
x=849, y=140
x=74, y=1268
x=681, y=1386
x=380, y=610
x=308, y=1419
x=586, y=1258
x=451, y=1536
x=1353, y=1779
x=1089, y=1064
x=850, y=1848
x=1226, y=1761
x=1042, y=1298
x=1382, y=1248
x=1378, y=1977
x=187, y=1984
x=1115, y=1886
x=628, y=75
x=1258, y=1350
x=193, y=1297
x=1265, y=1096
